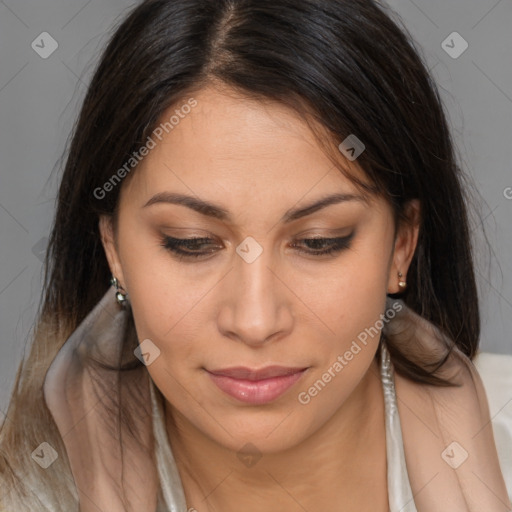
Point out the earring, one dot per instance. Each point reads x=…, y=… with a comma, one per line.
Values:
x=401, y=282
x=120, y=291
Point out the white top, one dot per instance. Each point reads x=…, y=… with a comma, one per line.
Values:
x=496, y=373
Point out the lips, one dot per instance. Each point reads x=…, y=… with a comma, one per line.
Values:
x=244, y=373
x=256, y=387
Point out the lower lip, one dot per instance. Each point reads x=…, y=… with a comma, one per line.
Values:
x=258, y=391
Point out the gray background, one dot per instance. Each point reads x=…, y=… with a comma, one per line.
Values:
x=39, y=100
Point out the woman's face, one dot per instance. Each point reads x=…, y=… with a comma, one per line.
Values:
x=252, y=293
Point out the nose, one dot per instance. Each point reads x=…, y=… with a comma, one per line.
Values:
x=258, y=307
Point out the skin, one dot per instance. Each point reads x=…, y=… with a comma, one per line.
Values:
x=257, y=160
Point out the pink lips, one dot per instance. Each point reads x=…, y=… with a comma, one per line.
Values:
x=256, y=386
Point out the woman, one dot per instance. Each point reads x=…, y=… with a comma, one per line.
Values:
x=271, y=189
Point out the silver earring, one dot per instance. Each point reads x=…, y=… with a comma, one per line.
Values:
x=120, y=291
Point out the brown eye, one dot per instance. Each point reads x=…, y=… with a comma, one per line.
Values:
x=187, y=247
x=195, y=247
x=324, y=246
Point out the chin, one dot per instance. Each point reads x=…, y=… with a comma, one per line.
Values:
x=270, y=431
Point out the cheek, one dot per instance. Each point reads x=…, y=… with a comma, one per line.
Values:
x=351, y=303
x=351, y=295
x=346, y=356
x=160, y=293
x=171, y=319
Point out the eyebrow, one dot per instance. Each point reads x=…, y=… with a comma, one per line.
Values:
x=216, y=211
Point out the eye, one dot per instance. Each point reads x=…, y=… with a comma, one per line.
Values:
x=187, y=247
x=195, y=247
x=319, y=246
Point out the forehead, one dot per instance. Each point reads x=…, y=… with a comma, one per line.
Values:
x=228, y=144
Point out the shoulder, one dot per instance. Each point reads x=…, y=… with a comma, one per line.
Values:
x=495, y=371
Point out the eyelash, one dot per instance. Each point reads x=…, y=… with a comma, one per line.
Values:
x=175, y=245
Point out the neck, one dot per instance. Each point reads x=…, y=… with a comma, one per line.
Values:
x=337, y=464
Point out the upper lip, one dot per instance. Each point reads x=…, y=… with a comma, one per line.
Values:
x=241, y=372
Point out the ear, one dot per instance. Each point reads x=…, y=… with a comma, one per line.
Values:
x=405, y=245
x=108, y=239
